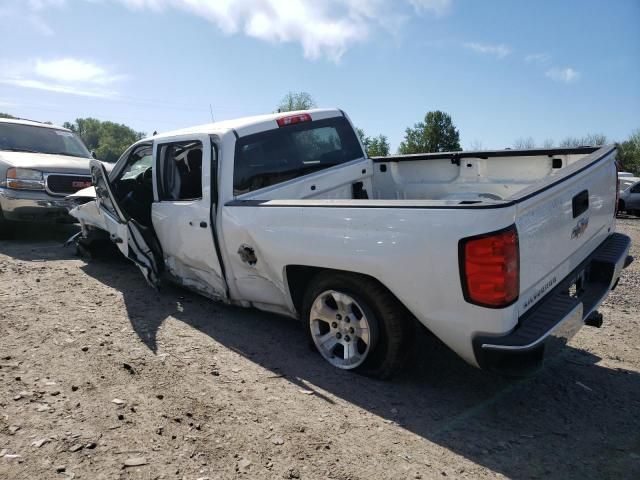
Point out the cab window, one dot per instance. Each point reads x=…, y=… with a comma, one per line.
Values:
x=289, y=152
x=138, y=162
x=181, y=170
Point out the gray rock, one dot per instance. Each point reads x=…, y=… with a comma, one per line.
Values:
x=135, y=462
x=291, y=473
x=243, y=465
x=39, y=443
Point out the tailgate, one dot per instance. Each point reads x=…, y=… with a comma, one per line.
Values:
x=562, y=222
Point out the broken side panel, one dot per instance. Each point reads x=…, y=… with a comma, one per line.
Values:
x=181, y=214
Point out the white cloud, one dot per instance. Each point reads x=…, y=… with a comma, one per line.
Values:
x=324, y=28
x=500, y=51
x=63, y=75
x=538, y=58
x=438, y=7
x=58, y=88
x=42, y=4
x=73, y=70
x=564, y=75
x=28, y=12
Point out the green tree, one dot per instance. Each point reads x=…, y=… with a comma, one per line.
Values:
x=629, y=154
x=6, y=115
x=107, y=139
x=366, y=141
x=436, y=134
x=379, y=146
x=296, y=101
x=374, y=146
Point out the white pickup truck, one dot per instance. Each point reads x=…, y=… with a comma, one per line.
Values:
x=500, y=254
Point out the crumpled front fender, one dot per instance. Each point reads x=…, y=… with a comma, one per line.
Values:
x=88, y=214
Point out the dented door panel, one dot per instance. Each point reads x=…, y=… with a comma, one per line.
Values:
x=184, y=229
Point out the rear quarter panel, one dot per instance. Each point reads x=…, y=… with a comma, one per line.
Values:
x=412, y=251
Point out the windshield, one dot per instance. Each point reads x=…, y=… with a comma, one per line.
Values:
x=27, y=138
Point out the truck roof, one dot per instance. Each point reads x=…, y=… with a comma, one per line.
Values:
x=248, y=125
x=32, y=123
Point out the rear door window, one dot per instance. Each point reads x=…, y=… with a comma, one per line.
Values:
x=181, y=170
x=289, y=152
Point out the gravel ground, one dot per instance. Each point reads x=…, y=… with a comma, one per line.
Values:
x=101, y=378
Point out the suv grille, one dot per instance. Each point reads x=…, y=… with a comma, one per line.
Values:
x=66, y=184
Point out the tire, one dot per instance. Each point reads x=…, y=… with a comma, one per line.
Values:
x=620, y=206
x=355, y=301
x=5, y=227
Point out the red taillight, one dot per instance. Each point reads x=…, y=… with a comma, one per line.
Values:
x=490, y=268
x=293, y=119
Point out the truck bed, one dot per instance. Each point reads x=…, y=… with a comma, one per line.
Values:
x=470, y=176
x=453, y=178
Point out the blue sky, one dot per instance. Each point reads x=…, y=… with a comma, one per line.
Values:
x=504, y=69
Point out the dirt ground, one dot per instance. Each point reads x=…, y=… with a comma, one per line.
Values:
x=101, y=377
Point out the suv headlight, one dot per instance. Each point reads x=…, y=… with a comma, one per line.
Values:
x=25, y=179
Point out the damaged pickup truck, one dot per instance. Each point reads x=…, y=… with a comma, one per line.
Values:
x=500, y=254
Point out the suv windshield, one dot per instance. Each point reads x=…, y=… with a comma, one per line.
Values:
x=27, y=138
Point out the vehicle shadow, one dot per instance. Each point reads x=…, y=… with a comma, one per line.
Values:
x=37, y=241
x=574, y=410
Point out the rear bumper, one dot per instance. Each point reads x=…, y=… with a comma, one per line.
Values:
x=555, y=319
x=33, y=206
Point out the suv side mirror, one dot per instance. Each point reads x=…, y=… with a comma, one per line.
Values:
x=93, y=154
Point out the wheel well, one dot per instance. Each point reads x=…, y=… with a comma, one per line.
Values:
x=299, y=277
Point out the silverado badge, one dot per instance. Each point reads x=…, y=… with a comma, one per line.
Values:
x=579, y=229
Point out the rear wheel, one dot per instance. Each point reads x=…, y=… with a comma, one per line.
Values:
x=356, y=324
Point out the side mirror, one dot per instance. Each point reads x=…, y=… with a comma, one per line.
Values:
x=93, y=154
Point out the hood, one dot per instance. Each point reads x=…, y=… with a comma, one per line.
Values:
x=46, y=162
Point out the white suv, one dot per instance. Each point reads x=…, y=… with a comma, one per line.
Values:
x=40, y=164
